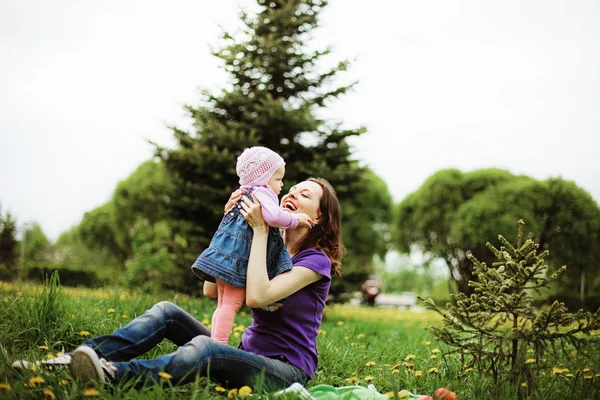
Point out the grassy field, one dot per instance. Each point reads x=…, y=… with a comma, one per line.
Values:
x=387, y=348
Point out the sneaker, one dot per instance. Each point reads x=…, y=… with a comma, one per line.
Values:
x=86, y=364
x=56, y=362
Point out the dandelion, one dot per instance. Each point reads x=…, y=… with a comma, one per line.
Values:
x=340, y=323
x=239, y=328
x=395, y=371
x=49, y=393
x=418, y=373
x=432, y=371
x=587, y=377
x=585, y=370
x=111, y=310
x=530, y=351
x=433, y=356
x=5, y=387
x=205, y=321
x=64, y=382
x=124, y=316
x=165, y=375
x=36, y=380
x=346, y=337
x=524, y=384
x=569, y=375
x=245, y=391
x=220, y=389
x=232, y=393
x=403, y=394
x=389, y=395
x=410, y=357
x=43, y=347
x=360, y=336
x=557, y=371
x=395, y=366
x=427, y=343
x=435, y=351
x=368, y=378
x=530, y=361
x=353, y=380
x=370, y=364
x=84, y=333
x=91, y=392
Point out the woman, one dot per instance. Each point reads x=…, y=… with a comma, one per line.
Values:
x=281, y=345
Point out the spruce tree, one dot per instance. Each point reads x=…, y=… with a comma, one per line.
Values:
x=494, y=328
x=8, y=241
x=272, y=99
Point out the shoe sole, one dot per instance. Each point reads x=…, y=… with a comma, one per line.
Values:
x=83, y=366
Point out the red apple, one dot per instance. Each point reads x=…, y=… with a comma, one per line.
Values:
x=444, y=394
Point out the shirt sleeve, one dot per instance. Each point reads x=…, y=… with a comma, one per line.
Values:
x=274, y=215
x=315, y=260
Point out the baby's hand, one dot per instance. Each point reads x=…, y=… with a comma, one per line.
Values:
x=304, y=220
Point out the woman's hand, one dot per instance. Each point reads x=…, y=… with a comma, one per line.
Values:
x=233, y=199
x=253, y=214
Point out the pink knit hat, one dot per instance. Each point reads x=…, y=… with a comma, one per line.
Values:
x=257, y=164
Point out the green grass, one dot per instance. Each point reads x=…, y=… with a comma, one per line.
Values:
x=388, y=348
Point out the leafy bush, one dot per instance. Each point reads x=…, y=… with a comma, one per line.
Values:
x=70, y=275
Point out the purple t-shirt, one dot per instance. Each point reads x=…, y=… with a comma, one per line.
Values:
x=292, y=330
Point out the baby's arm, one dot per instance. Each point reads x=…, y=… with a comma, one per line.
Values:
x=274, y=215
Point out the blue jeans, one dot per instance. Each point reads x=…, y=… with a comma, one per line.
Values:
x=197, y=354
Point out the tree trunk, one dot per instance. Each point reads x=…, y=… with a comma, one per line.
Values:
x=582, y=290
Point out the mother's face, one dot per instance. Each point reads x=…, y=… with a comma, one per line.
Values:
x=305, y=197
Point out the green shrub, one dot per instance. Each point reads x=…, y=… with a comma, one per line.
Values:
x=70, y=275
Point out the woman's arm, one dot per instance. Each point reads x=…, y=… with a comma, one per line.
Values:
x=210, y=289
x=260, y=291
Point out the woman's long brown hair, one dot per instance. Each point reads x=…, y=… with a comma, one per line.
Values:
x=327, y=234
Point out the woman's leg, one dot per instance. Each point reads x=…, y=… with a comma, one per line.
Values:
x=230, y=366
x=231, y=299
x=164, y=320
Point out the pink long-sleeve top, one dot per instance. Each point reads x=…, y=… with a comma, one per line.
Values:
x=274, y=215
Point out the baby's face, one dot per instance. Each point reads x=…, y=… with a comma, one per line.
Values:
x=276, y=181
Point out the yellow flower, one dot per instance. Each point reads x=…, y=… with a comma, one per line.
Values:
x=322, y=332
x=49, y=394
x=389, y=395
x=587, y=377
x=368, y=378
x=340, y=323
x=468, y=369
x=4, y=387
x=353, y=380
x=435, y=351
x=570, y=375
x=403, y=394
x=557, y=371
x=84, y=333
x=395, y=366
x=43, y=347
x=418, y=373
x=232, y=393
x=395, y=371
x=239, y=328
x=585, y=370
x=410, y=357
x=530, y=351
x=36, y=380
x=220, y=389
x=432, y=371
x=124, y=316
x=205, y=321
x=245, y=391
x=360, y=336
x=50, y=356
x=433, y=356
x=165, y=375
x=524, y=384
x=91, y=392
x=427, y=343
x=370, y=364
x=530, y=361
x=346, y=338
x=111, y=310
x=64, y=382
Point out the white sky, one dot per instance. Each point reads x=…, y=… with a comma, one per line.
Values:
x=465, y=84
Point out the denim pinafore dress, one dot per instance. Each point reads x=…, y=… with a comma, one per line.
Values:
x=226, y=258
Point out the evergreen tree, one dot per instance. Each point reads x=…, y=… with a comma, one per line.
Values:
x=493, y=328
x=8, y=243
x=272, y=100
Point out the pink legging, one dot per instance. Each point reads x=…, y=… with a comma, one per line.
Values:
x=229, y=301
